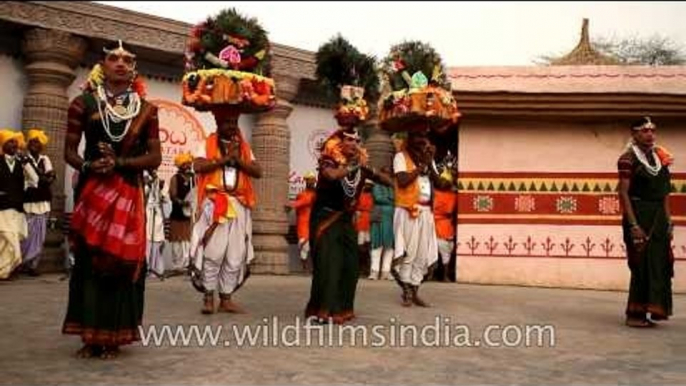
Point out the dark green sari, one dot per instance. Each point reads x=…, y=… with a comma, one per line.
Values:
x=334, y=251
x=335, y=266
x=652, y=268
x=105, y=296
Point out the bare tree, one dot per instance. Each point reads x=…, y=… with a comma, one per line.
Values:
x=655, y=50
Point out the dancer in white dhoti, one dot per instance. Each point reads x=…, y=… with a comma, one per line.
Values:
x=154, y=229
x=181, y=193
x=39, y=175
x=13, y=226
x=221, y=242
x=416, y=245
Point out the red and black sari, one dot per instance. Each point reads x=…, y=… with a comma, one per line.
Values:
x=107, y=232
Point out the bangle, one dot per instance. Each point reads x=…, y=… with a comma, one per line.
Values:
x=85, y=166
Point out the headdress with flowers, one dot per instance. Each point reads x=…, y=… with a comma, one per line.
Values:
x=350, y=75
x=415, y=90
x=227, y=62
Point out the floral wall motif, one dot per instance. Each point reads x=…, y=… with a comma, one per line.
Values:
x=550, y=198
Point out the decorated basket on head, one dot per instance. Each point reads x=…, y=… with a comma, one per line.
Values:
x=227, y=65
x=351, y=76
x=415, y=92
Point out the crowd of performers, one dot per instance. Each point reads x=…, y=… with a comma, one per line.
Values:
x=402, y=215
x=26, y=174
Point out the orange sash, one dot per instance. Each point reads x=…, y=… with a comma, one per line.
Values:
x=408, y=197
x=244, y=192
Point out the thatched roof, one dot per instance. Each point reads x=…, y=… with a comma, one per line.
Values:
x=584, y=54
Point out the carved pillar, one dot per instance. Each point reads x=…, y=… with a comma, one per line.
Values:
x=271, y=146
x=51, y=57
x=379, y=144
x=50, y=60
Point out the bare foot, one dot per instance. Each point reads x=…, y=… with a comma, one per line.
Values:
x=640, y=323
x=88, y=351
x=109, y=352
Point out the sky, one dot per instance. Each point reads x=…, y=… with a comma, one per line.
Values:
x=463, y=33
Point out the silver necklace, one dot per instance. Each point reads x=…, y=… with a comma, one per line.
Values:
x=640, y=155
x=117, y=114
x=350, y=185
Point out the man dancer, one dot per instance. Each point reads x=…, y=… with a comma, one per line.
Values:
x=223, y=233
x=181, y=194
x=415, y=233
x=445, y=208
x=154, y=225
x=303, y=208
x=13, y=226
x=37, y=199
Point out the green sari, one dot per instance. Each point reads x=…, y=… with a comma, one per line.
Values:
x=106, y=296
x=335, y=266
x=334, y=251
x=652, y=268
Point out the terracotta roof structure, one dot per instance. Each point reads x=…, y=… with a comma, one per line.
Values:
x=570, y=79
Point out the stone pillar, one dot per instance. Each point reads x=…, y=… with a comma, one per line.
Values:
x=379, y=144
x=50, y=60
x=271, y=146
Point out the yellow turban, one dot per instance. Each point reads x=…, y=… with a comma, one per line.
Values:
x=310, y=176
x=9, y=134
x=182, y=159
x=38, y=135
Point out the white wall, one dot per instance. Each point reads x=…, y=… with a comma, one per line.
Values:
x=13, y=84
x=553, y=147
x=309, y=126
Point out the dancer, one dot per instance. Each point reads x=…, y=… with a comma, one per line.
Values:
x=108, y=222
x=644, y=186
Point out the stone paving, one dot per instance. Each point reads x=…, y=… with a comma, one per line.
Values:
x=592, y=346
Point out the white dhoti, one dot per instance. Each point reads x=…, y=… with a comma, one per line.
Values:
x=155, y=239
x=445, y=249
x=180, y=252
x=154, y=257
x=381, y=259
x=415, y=244
x=228, y=252
x=13, y=229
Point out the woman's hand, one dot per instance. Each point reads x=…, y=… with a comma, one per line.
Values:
x=103, y=165
x=638, y=237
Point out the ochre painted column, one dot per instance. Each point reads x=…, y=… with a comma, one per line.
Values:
x=51, y=58
x=271, y=146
